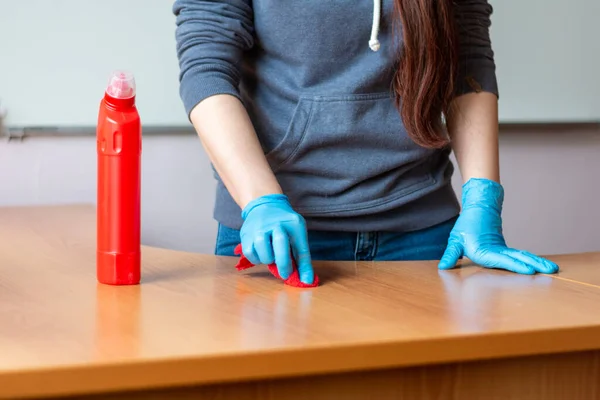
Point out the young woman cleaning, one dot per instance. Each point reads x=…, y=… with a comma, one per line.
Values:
x=330, y=124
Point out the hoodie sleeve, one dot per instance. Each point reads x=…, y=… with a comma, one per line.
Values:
x=477, y=69
x=211, y=37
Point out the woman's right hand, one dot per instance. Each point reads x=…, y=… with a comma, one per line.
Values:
x=270, y=230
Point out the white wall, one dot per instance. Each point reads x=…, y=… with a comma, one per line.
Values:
x=550, y=176
x=175, y=171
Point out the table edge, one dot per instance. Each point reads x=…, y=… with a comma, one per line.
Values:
x=251, y=366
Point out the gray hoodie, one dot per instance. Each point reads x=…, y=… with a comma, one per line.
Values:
x=320, y=99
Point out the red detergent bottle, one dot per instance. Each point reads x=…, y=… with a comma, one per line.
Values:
x=119, y=147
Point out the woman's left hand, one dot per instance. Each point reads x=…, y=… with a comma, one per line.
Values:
x=477, y=234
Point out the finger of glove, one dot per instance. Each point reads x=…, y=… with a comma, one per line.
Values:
x=248, y=251
x=453, y=252
x=282, y=253
x=264, y=248
x=538, y=263
x=301, y=250
x=501, y=260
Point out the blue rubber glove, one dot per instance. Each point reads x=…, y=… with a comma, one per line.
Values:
x=270, y=229
x=477, y=234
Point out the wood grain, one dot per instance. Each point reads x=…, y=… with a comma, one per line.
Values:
x=196, y=320
x=574, y=376
x=582, y=268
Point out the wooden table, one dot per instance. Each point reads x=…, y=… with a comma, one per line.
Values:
x=197, y=328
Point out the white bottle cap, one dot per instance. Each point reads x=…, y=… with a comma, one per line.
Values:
x=121, y=85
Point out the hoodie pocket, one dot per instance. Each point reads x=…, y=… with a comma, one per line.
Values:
x=346, y=154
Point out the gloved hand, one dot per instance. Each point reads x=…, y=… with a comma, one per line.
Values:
x=477, y=234
x=270, y=229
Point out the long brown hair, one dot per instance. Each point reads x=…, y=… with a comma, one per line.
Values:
x=427, y=68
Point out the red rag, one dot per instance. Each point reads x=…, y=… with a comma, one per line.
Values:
x=292, y=280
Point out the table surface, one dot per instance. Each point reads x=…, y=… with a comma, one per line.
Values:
x=195, y=319
x=583, y=268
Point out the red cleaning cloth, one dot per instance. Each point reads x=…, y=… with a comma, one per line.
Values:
x=292, y=280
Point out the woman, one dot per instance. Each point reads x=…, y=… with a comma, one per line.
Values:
x=330, y=124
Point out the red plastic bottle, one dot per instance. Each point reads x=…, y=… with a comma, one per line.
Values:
x=119, y=147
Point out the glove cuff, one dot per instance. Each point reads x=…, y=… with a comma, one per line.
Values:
x=480, y=191
x=267, y=199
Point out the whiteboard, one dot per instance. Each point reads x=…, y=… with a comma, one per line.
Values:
x=56, y=56
x=548, y=59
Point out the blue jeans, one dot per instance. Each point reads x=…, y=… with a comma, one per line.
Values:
x=425, y=244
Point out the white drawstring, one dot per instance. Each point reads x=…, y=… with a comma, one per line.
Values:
x=374, y=42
